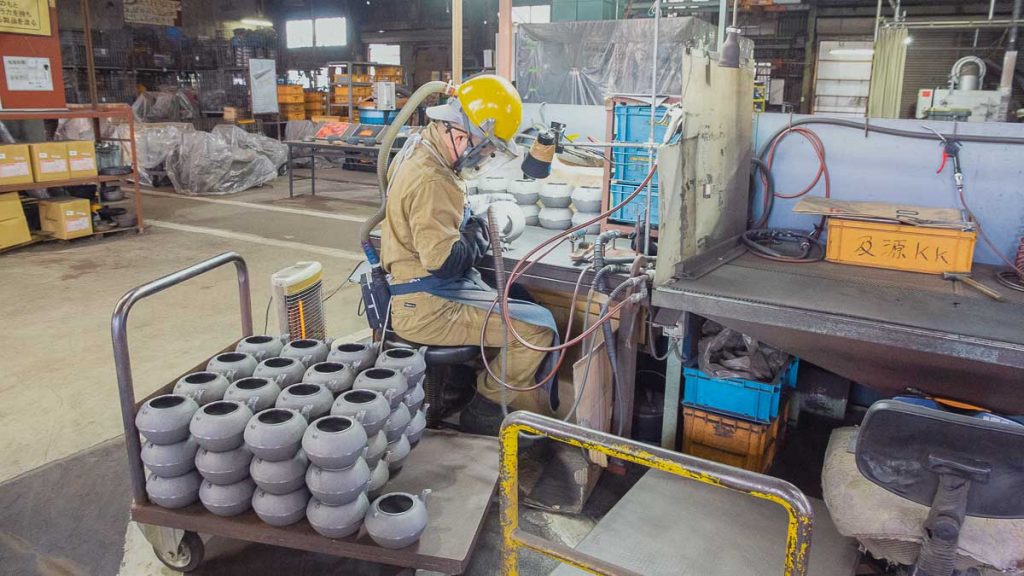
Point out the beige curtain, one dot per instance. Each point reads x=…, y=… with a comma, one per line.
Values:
x=887, y=73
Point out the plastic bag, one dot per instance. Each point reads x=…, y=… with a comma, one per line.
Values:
x=725, y=353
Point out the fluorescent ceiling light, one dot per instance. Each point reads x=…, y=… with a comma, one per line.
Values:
x=256, y=22
x=852, y=51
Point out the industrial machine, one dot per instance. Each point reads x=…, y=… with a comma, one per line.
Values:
x=964, y=100
x=298, y=299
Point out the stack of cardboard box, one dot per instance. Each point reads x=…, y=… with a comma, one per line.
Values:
x=45, y=163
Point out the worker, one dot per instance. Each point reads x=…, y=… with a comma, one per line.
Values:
x=430, y=242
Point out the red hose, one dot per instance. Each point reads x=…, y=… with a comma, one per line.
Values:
x=819, y=150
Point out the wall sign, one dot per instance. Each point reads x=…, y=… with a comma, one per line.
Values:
x=25, y=17
x=157, y=12
x=26, y=74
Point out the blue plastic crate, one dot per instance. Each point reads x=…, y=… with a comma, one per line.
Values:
x=368, y=116
x=739, y=397
x=629, y=213
x=630, y=164
x=633, y=123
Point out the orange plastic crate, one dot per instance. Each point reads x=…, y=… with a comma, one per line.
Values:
x=733, y=441
x=900, y=247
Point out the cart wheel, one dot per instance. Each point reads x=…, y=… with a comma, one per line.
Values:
x=188, y=557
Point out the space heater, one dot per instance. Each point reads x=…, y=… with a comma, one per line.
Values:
x=298, y=297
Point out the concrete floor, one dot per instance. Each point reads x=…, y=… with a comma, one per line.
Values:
x=63, y=482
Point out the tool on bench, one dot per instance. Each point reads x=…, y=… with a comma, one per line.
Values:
x=966, y=279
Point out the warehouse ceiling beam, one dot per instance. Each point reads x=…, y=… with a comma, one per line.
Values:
x=959, y=24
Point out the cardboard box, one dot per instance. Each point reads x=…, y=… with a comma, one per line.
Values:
x=65, y=218
x=81, y=158
x=15, y=165
x=234, y=113
x=49, y=161
x=13, y=227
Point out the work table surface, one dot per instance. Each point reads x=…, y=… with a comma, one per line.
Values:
x=887, y=328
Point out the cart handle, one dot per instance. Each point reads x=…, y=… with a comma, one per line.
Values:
x=122, y=361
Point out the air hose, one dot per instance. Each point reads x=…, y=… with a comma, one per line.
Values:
x=609, y=345
x=384, y=155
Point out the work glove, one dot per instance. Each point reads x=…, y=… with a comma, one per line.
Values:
x=476, y=228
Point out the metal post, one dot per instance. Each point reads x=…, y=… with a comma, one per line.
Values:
x=457, y=41
x=90, y=64
x=991, y=13
x=878, y=19
x=654, y=107
x=810, y=55
x=503, y=55
x=723, y=13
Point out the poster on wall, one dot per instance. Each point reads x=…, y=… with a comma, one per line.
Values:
x=263, y=85
x=25, y=17
x=156, y=12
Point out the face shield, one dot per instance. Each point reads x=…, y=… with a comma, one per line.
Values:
x=486, y=153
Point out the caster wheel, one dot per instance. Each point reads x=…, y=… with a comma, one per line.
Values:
x=188, y=557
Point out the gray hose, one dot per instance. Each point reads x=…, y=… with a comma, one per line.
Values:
x=387, y=141
x=890, y=132
x=609, y=347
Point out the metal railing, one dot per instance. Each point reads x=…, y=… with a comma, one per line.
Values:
x=801, y=516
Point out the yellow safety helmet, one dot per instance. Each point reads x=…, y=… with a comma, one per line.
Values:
x=488, y=106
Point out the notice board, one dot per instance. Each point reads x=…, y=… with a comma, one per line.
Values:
x=31, y=77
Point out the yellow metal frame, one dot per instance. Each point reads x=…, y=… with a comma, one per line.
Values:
x=801, y=516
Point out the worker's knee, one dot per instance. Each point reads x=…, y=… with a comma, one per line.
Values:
x=536, y=335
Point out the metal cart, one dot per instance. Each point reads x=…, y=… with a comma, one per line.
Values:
x=458, y=502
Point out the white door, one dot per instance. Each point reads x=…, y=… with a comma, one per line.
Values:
x=842, y=78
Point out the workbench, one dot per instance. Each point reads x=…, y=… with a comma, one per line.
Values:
x=887, y=329
x=303, y=150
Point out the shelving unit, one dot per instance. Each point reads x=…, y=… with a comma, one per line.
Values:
x=348, y=75
x=109, y=111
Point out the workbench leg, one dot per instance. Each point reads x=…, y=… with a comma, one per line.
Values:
x=673, y=397
x=312, y=172
x=291, y=173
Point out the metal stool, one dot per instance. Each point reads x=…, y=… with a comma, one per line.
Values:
x=440, y=360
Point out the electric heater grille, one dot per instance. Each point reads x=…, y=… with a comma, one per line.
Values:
x=298, y=293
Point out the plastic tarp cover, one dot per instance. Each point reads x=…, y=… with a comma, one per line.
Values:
x=586, y=62
x=224, y=161
x=154, y=144
x=81, y=129
x=174, y=106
